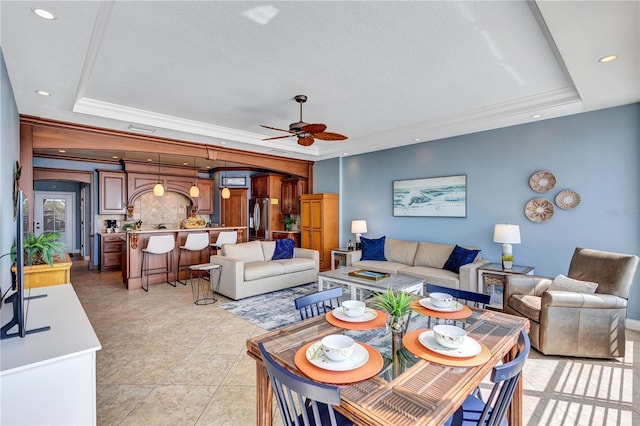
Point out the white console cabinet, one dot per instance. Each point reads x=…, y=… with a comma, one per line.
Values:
x=50, y=377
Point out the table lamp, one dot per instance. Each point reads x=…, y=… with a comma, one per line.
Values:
x=358, y=227
x=507, y=235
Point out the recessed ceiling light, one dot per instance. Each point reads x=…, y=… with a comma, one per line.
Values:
x=345, y=153
x=44, y=14
x=62, y=151
x=261, y=14
x=223, y=143
x=43, y=93
x=607, y=58
x=115, y=157
x=536, y=116
x=208, y=167
x=149, y=159
x=416, y=140
x=185, y=164
x=141, y=129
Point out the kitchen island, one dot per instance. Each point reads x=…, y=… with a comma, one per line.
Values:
x=136, y=241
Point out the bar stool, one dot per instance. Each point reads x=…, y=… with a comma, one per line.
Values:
x=158, y=244
x=195, y=242
x=225, y=237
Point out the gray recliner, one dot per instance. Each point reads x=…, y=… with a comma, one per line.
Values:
x=571, y=323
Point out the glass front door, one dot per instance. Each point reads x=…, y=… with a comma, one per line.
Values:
x=54, y=212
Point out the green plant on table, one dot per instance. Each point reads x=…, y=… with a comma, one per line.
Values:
x=397, y=304
x=40, y=249
x=289, y=220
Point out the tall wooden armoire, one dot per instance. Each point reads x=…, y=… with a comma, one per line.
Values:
x=319, y=215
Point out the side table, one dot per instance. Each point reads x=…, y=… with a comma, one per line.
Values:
x=341, y=257
x=203, y=289
x=491, y=278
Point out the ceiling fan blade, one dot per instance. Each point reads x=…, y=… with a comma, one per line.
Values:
x=275, y=128
x=314, y=128
x=306, y=141
x=328, y=136
x=278, y=137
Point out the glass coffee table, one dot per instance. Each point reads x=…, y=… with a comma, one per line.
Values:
x=393, y=281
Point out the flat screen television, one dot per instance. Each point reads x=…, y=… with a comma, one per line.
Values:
x=16, y=326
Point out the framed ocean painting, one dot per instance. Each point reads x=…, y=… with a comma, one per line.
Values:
x=444, y=196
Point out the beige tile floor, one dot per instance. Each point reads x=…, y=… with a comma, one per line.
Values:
x=165, y=360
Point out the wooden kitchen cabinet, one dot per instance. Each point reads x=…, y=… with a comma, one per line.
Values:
x=291, y=189
x=110, y=245
x=205, y=199
x=112, y=190
x=266, y=185
x=319, y=225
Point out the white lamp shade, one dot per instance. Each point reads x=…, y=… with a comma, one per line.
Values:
x=358, y=226
x=194, y=191
x=505, y=233
x=158, y=190
x=225, y=193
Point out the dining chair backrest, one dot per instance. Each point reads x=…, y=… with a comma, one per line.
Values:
x=226, y=237
x=505, y=378
x=478, y=300
x=160, y=244
x=318, y=303
x=302, y=401
x=196, y=241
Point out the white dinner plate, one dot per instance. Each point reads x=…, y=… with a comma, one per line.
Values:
x=368, y=315
x=455, y=306
x=470, y=347
x=359, y=357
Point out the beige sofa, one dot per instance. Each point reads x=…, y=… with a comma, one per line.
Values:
x=425, y=260
x=247, y=269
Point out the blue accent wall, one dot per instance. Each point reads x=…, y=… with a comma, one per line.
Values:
x=596, y=154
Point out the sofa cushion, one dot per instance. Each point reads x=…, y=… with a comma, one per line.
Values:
x=400, y=251
x=435, y=276
x=526, y=305
x=432, y=254
x=296, y=264
x=563, y=283
x=372, y=249
x=257, y=270
x=379, y=266
x=284, y=249
x=247, y=252
x=268, y=248
x=459, y=256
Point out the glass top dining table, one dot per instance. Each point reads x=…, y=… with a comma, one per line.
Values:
x=408, y=390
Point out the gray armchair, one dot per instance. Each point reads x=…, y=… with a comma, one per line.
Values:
x=577, y=324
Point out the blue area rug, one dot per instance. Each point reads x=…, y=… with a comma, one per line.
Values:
x=271, y=310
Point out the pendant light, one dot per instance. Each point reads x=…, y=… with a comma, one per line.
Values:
x=194, y=191
x=225, y=193
x=158, y=189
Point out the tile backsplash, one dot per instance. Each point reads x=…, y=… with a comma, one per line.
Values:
x=169, y=210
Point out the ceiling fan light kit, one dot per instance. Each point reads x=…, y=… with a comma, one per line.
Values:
x=305, y=132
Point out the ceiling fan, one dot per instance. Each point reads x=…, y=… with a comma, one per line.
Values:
x=306, y=133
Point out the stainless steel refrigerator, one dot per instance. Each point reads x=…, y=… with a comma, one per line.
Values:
x=259, y=219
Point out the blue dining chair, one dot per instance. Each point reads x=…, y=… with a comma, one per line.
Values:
x=318, y=303
x=478, y=300
x=505, y=377
x=302, y=401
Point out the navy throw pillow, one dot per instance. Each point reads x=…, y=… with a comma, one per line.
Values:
x=458, y=257
x=372, y=249
x=284, y=249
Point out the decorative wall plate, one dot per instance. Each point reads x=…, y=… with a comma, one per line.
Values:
x=542, y=181
x=567, y=199
x=539, y=210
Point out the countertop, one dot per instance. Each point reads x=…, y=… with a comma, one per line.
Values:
x=151, y=231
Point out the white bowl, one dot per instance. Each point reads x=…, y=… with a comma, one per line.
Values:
x=449, y=336
x=441, y=300
x=353, y=308
x=338, y=347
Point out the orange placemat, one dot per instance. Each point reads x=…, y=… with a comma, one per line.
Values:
x=413, y=345
x=377, y=322
x=370, y=369
x=465, y=312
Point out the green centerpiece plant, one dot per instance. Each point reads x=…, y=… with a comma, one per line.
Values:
x=398, y=305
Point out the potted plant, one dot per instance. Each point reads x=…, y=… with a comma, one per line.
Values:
x=289, y=221
x=507, y=261
x=45, y=260
x=398, y=305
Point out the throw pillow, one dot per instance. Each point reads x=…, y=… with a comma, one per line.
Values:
x=458, y=257
x=284, y=249
x=372, y=249
x=563, y=283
